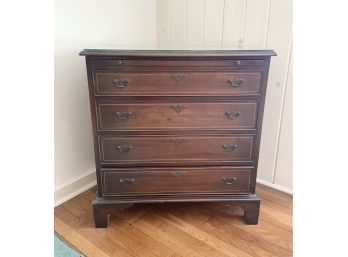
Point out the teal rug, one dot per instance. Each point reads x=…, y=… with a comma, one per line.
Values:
x=61, y=249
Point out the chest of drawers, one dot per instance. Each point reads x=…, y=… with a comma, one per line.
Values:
x=176, y=126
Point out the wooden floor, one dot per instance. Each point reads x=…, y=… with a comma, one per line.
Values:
x=179, y=229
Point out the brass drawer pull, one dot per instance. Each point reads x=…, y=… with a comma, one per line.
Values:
x=178, y=107
x=229, y=147
x=120, y=83
x=178, y=174
x=178, y=77
x=229, y=180
x=123, y=115
x=235, y=82
x=234, y=114
x=125, y=148
x=127, y=181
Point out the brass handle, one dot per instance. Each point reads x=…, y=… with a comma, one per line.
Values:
x=126, y=181
x=120, y=83
x=234, y=114
x=229, y=147
x=229, y=180
x=178, y=174
x=178, y=77
x=123, y=115
x=235, y=82
x=125, y=148
x=178, y=107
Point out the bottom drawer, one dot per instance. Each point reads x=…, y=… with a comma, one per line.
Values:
x=176, y=180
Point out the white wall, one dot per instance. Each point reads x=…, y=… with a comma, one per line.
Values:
x=81, y=24
x=283, y=169
x=254, y=23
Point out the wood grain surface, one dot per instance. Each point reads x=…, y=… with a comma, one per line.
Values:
x=187, y=114
x=182, y=83
x=176, y=115
x=174, y=180
x=151, y=150
x=179, y=229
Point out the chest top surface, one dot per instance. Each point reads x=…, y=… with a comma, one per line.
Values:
x=150, y=51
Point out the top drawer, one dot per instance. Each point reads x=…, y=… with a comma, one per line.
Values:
x=122, y=83
x=151, y=64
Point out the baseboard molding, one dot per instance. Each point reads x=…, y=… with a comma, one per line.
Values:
x=74, y=187
x=275, y=186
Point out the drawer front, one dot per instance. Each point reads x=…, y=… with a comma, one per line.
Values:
x=169, y=116
x=150, y=150
x=184, y=180
x=128, y=64
x=177, y=84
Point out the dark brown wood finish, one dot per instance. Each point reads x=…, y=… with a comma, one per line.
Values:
x=216, y=54
x=162, y=64
x=176, y=115
x=175, y=180
x=176, y=126
x=163, y=150
x=94, y=121
x=176, y=83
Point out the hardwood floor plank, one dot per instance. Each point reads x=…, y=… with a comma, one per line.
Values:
x=101, y=238
x=127, y=236
x=179, y=229
x=181, y=242
x=277, y=217
x=274, y=196
x=198, y=233
x=278, y=207
x=116, y=235
x=250, y=243
x=266, y=215
x=89, y=194
x=84, y=203
x=149, y=243
x=166, y=239
x=131, y=215
x=265, y=229
x=133, y=246
x=79, y=242
x=69, y=216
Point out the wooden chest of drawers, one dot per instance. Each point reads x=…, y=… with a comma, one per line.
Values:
x=176, y=126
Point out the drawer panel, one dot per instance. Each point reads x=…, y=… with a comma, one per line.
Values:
x=178, y=116
x=149, y=64
x=149, y=150
x=175, y=180
x=177, y=84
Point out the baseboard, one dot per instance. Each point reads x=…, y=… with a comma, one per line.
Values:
x=74, y=187
x=275, y=186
